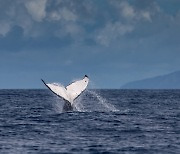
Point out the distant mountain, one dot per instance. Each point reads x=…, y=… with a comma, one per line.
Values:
x=169, y=81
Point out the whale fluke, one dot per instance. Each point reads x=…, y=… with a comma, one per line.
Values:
x=70, y=92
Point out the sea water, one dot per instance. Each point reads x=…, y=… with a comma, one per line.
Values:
x=104, y=121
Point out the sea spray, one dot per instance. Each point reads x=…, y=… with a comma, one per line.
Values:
x=80, y=104
x=58, y=104
x=91, y=100
x=102, y=101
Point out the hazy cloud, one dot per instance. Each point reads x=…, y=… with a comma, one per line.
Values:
x=4, y=28
x=111, y=32
x=68, y=15
x=131, y=12
x=82, y=19
x=146, y=15
x=127, y=10
x=36, y=9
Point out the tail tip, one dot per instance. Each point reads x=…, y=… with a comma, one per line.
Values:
x=43, y=81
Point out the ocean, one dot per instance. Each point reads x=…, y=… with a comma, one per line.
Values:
x=105, y=121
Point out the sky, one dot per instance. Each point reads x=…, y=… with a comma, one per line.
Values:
x=112, y=41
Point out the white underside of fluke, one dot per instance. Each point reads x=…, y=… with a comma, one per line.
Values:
x=70, y=92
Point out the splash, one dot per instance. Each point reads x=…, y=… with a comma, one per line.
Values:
x=93, y=101
x=89, y=101
x=58, y=105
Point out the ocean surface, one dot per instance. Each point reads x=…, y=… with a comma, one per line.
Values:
x=105, y=121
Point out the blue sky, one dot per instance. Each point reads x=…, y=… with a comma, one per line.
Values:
x=112, y=41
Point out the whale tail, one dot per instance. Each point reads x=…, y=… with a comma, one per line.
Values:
x=70, y=92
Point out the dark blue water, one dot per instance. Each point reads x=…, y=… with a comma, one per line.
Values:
x=106, y=121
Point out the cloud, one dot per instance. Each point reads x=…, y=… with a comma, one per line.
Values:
x=127, y=10
x=55, y=15
x=112, y=31
x=4, y=28
x=36, y=9
x=68, y=15
x=81, y=19
x=140, y=35
x=146, y=15
x=130, y=12
x=63, y=14
x=73, y=29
